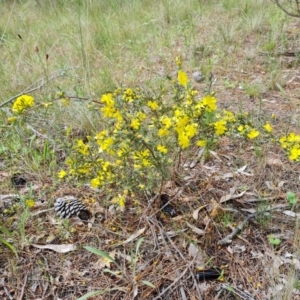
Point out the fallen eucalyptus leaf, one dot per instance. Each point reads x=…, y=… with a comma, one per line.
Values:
x=291, y=214
x=195, y=253
x=196, y=212
x=135, y=235
x=64, y=248
x=195, y=229
x=231, y=196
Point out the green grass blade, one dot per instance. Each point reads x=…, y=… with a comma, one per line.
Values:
x=6, y=231
x=90, y=294
x=99, y=252
x=148, y=283
x=139, y=244
x=100, y=292
x=9, y=245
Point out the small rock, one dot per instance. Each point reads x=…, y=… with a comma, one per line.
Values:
x=198, y=77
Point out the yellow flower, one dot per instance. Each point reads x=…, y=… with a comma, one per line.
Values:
x=108, y=111
x=108, y=99
x=122, y=201
x=162, y=149
x=163, y=132
x=135, y=124
x=253, y=134
x=210, y=102
x=141, y=116
x=62, y=174
x=47, y=104
x=178, y=61
x=294, y=153
x=283, y=142
x=29, y=203
x=95, y=183
x=220, y=127
x=201, y=143
x=129, y=95
x=11, y=119
x=153, y=105
x=22, y=103
x=229, y=116
x=65, y=101
x=292, y=137
x=191, y=130
x=82, y=147
x=105, y=144
x=167, y=122
x=182, y=78
x=241, y=128
x=146, y=162
x=183, y=141
x=268, y=127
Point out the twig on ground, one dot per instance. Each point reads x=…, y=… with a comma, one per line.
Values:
x=191, y=271
x=179, y=276
x=28, y=90
x=23, y=287
x=243, y=294
x=7, y=293
x=175, y=281
x=228, y=239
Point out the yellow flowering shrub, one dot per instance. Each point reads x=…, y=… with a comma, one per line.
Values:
x=144, y=133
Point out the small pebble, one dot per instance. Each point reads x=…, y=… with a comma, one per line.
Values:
x=198, y=77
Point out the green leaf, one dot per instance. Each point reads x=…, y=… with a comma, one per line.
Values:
x=139, y=244
x=9, y=245
x=99, y=252
x=274, y=241
x=90, y=294
x=112, y=272
x=100, y=292
x=148, y=283
x=291, y=197
x=6, y=231
x=102, y=253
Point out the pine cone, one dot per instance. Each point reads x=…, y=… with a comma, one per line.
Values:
x=69, y=206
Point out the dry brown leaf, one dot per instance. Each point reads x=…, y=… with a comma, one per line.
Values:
x=135, y=235
x=272, y=161
x=241, y=171
x=231, y=196
x=9, y=197
x=3, y=176
x=195, y=229
x=291, y=214
x=216, y=210
x=103, y=262
x=64, y=248
x=196, y=212
x=195, y=253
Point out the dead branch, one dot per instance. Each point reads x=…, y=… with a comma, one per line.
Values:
x=289, y=13
x=228, y=239
x=41, y=82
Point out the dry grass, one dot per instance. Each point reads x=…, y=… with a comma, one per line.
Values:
x=103, y=44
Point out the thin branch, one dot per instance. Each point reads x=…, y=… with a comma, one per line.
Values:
x=286, y=11
x=10, y=297
x=228, y=239
x=30, y=90
x=179, y=275
x=23, y=288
